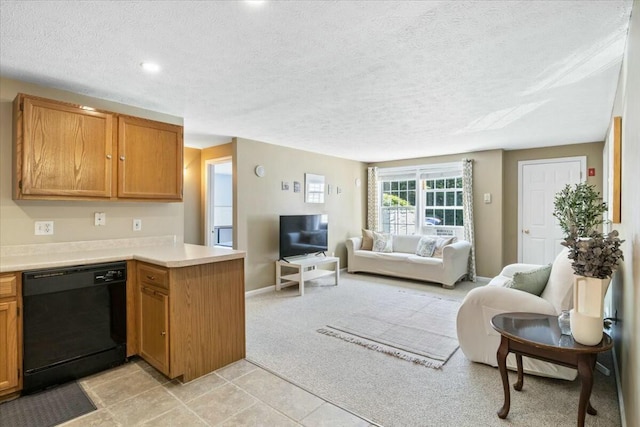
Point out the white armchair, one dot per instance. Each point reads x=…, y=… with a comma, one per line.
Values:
x=479, y=341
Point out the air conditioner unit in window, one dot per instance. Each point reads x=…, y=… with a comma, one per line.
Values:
x=442, y=231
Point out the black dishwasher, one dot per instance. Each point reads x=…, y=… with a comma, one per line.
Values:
x=74, y=322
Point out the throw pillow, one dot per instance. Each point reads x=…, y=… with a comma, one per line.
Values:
x=441, y=243
x=532, y=281
x=426, y=246
x=367, y=240
x=382, y=242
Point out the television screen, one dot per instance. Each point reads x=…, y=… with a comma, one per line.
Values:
x=302, y=234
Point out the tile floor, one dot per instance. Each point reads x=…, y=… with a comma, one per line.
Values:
x=241, y=394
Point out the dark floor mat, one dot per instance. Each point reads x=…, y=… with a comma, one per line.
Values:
x=47, y=408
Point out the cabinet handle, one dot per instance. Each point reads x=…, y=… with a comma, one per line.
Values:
x=151, y=277
x=121, y=157
x=163, y=333
x=109, y=156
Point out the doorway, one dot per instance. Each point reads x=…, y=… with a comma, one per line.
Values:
x=219, y=203
x=539, y=234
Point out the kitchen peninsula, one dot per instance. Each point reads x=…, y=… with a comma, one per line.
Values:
x=184, y=303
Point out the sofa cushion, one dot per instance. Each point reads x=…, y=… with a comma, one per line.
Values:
x=366, y=254
x=367, y=240
x=405, y=243
x=502, y=281
x=532, y=281
x=426, y=246
x=441, y=243
x=393, y=256
x=382, y=242
x=425, y=260
x=559, y=290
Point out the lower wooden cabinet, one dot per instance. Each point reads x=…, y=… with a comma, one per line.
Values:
x=154, y=328
x=191, y=320
x=10, y=334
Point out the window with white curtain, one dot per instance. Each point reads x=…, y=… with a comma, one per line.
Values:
x=421, y=196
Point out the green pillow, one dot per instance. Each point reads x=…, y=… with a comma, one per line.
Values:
x=532, y=281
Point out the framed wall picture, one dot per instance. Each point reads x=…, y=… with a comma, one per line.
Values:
x=615, y=170
x=314, y=188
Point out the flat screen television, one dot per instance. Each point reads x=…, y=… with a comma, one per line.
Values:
x=303, y=234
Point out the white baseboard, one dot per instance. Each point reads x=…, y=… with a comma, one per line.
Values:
x=264, y=290
x=623, y=419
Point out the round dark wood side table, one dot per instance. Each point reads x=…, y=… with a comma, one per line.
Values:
x=538, y=336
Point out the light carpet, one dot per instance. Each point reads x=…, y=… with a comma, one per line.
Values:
x=281, y=336
x=414, y=327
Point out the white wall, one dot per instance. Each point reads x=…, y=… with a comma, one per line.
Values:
x=626, y=283
x=260, y=202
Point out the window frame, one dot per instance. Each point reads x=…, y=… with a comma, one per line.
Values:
x=457, y=192
x=418, y=174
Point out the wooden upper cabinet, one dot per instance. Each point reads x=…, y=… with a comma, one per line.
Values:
x=62, y=150
x=150, y=159
x=72, y=152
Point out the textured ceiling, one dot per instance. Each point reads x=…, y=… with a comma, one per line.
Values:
x=369, y=81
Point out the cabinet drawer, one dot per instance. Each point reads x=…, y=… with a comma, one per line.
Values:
x=153, y=276
x=8, y=286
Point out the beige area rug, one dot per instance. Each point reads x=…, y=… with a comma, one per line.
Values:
x=417, y=328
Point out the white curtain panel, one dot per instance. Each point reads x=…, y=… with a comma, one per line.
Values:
x=372, y=199
x=467, y=203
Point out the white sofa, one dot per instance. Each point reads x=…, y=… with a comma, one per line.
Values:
x=479, y=341
x=403, y=261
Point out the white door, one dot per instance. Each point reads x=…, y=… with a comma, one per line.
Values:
x=538, y=182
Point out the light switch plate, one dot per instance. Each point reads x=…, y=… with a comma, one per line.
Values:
x=487, y=197
x=137, y=224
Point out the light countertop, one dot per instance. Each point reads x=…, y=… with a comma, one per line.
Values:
x=167, y=255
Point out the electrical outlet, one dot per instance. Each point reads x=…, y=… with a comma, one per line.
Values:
x=44, y=228
x=100, y=218
x=137, y=224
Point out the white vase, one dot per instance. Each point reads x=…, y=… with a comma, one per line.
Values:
x=587, y=315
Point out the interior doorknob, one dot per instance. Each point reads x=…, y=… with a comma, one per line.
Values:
x=525, y=231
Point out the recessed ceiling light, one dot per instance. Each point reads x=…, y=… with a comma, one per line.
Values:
x=255, y=2
x=150, y=67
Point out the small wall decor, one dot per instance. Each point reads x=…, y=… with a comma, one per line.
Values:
x=338, y=190
x=329, y=188
x=296, y=186
x=285, y=186
x=314, y=188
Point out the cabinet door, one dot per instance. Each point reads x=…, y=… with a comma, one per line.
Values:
x=66, y=150
x=8, y=345
x=154, y=328
x=150, y=159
